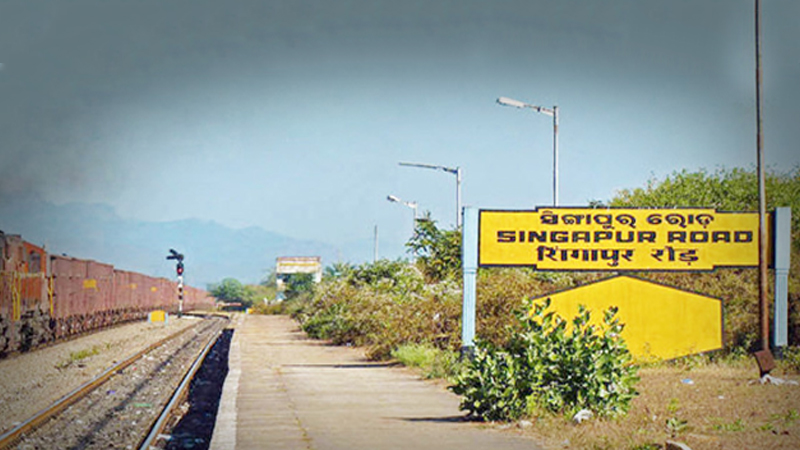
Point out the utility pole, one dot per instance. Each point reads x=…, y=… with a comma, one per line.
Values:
x=375, y=256
x=763, y=283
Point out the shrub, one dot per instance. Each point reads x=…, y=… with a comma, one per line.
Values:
x=269, y=308
x=383, y=305
x=791, y=360
x=491, y=385
x=552, y=366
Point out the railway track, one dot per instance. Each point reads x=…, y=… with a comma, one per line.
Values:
x=128, y=404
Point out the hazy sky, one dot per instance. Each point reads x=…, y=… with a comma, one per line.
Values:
x=293, y=115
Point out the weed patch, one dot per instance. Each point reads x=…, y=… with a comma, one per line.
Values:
x=78, y=356
x=432, y=361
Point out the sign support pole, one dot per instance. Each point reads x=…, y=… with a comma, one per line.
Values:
x=783, y=244
x=469, y=266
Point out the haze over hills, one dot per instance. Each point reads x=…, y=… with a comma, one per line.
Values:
x=212, y=251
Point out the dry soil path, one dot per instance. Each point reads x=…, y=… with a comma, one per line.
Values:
x=286, y=391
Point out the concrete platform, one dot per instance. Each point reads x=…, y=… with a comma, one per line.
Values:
x=285, y=391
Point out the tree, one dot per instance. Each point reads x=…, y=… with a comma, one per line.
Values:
x=228, y=290
x=337, y=270
x=725, y=190
x=299, y=284
x=438, y=251
x=257, y=293
x=731, y=190
x=270, y=279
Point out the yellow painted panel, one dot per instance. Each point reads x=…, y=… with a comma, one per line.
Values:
x=157, y=316
x=90, y=283
x=660, y=321
x=153, y=289
x=618, y=239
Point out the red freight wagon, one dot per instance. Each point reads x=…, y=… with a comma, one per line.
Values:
x=67, y=277
x=42, y=297
x=167, y=295
x=123, y=290
x=100, y=293
x=139, y=291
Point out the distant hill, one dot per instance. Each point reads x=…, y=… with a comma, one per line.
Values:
x=213, y=251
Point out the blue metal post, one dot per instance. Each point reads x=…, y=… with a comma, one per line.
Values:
x=469, y=265
x=783, y=243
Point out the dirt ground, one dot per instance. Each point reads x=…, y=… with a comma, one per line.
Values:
x=707, y=407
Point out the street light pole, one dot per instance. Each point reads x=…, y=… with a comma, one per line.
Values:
x=412, y=205
x=505, y=101
x=555, y=155
x=455, y=171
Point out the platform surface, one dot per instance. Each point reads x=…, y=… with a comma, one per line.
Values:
x=285, y=391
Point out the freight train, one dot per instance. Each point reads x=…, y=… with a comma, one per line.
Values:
x=45, y=297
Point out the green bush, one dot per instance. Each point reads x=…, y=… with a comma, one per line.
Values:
x=383, y=305
x=333, y=314
x=492, y=386
x=269, y=308
x=791, y=360
x=330, y=323
x=550, y=366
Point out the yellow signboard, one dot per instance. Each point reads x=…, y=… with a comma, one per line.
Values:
x=618, y=239
x=298, y=264
x=158, y=316
x=661, y=322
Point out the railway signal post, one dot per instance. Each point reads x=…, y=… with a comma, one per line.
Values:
x=179, y=271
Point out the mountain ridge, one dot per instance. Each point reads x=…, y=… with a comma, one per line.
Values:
x=212, y=251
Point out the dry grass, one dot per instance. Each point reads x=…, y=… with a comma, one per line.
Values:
x=724, y=407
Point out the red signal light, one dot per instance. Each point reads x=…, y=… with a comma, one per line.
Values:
x=179, y=268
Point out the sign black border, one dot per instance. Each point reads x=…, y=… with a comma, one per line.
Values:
x=539, y=208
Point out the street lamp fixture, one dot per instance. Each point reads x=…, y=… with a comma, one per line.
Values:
x=505, y=101
x=455, y=171
x=412, y=205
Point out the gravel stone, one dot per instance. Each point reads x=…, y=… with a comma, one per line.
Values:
x=30, y=382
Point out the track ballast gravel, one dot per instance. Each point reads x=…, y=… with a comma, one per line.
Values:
x=31, y=382
x=120, y=413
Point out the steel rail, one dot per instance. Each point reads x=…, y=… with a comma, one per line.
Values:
x=12, y=436
x=178, y=394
